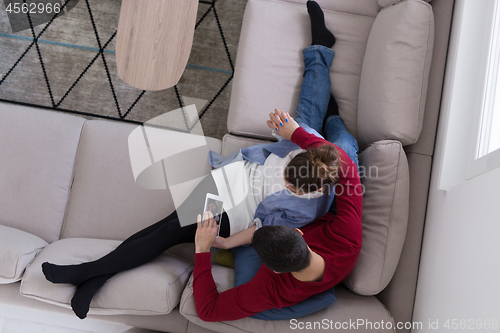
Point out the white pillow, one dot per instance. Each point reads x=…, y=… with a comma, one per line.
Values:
x=17, y=250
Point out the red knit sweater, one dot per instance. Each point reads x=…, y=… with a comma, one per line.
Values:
x=336, y=238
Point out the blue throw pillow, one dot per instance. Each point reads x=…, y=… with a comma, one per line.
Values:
x=246, y=265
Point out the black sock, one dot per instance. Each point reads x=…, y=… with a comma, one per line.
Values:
x=63, y=273
x=80, y=303
x=320, y=34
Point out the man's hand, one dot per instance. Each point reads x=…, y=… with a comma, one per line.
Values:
x=206, y=233
x=282, y=123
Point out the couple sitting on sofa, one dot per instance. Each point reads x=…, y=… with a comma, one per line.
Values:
x=298, y=263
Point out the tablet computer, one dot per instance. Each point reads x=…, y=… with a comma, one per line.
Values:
x=214, y=203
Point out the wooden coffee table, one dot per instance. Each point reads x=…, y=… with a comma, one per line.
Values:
x=154, y=41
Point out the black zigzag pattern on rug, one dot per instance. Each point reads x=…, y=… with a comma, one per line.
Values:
x=121, y=116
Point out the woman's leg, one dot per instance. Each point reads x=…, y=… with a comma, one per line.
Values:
x=137, y=250
x=152, y=240
x=336, y=133
x=80, y=303
x=128, y=255
x=315, y=89
x=142, y=246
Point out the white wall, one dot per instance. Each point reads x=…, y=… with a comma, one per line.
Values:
x=459, y=276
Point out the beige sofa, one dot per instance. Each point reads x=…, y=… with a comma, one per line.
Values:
x=69, y=193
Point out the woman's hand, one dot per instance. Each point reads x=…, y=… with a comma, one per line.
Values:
x=221, y=243
x=282, y=123
x=206, y=233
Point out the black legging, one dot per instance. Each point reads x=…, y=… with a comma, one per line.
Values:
x=138, y=249
x=145, y=246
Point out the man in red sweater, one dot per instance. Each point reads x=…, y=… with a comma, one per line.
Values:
x=333, y=243
x=296, y=263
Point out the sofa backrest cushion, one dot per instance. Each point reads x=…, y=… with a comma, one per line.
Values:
x=37, y=154
x=269, y=68
x=394, y=78
x=385, y=177
x=358, y=7
x=105, y=200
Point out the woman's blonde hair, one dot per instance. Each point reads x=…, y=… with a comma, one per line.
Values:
x=313, y=169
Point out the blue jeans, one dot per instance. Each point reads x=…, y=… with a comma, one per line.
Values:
x=314, y=98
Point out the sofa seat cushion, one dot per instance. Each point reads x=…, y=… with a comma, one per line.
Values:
x=385, y=177
x=347, y=309
x=151, y=289
x=18, y=250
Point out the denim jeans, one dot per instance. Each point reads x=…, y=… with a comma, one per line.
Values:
x=314, y=98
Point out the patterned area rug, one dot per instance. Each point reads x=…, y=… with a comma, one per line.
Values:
x=72, y=68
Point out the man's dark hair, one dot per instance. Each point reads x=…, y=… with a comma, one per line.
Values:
x=281, y=248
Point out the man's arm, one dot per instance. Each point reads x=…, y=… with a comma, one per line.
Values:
x=258, y=295
x=236, y=303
